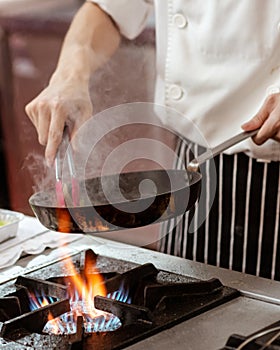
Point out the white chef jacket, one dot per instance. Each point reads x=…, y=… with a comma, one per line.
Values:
x=217, y=60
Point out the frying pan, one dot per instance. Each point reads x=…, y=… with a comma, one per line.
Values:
x=135, y=199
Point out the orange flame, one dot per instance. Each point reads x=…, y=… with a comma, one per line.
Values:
x=81, y=291
x=84, y=288
x=54, y=323
x=87, y=288
x=63, y=220
x=99, y=226
x=36, y=304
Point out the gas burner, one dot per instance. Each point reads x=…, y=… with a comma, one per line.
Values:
x=138, y=301
x=267, y=338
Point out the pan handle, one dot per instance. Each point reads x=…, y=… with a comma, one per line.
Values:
x=211, y=153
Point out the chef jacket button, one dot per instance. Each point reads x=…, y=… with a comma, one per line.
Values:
x=176, y=92
x=179, y=20
x=272, y=90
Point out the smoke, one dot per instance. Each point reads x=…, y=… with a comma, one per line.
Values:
x=125, y=138
x=128, y=138
x=42, y=175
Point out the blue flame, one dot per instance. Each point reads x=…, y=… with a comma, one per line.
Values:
x=122, y=294
x=67, y=323
x=108, y=322
x=39, y=300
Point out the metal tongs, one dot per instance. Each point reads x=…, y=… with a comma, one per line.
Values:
x=72, y=171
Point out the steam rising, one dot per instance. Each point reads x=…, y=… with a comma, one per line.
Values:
x=42, y=175
x=121, y=139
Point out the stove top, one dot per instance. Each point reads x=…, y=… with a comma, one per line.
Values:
x=267, y=338
x=222, y=326
x=155, y=300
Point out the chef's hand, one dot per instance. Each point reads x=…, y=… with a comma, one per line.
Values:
x=60, y=104
x=267, y=119
x=90, y=41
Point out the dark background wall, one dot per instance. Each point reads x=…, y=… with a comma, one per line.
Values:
x=29, y=47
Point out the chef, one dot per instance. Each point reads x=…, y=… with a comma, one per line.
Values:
x=218, y=65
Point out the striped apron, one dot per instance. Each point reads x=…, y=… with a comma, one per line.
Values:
x=235, y=223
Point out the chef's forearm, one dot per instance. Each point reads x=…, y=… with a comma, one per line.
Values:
x=90, y=41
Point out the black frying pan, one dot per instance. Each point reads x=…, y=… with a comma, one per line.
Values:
x=165, y=194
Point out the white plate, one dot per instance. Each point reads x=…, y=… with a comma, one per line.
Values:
x=10, y=228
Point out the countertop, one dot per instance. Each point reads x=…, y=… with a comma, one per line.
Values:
x=257, y=307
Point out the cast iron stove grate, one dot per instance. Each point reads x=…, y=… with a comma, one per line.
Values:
x=267, y=338
x=157, y=300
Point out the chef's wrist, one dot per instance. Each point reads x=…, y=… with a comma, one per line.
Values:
x=70, y=77
x=75, y=65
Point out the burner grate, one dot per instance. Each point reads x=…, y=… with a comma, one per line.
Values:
x=267, y=338
x=157, y=300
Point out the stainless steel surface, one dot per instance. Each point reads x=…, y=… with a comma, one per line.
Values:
x=210, y=331
x=69, y=153
x=57, y=166
x=271, y=340
x=65, y=151
x=211, y=153
x=66, y=146
x=257, y=307
x=260, y=335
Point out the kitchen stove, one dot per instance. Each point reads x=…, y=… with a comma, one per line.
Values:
x=155, y=300
x=205, y=308
x=267, y=338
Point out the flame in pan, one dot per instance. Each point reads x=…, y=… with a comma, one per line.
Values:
x=64, y=220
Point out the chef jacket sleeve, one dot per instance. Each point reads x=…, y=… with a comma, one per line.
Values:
x=129, y=15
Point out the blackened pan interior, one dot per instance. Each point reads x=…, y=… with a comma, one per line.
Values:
x=166, y=194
